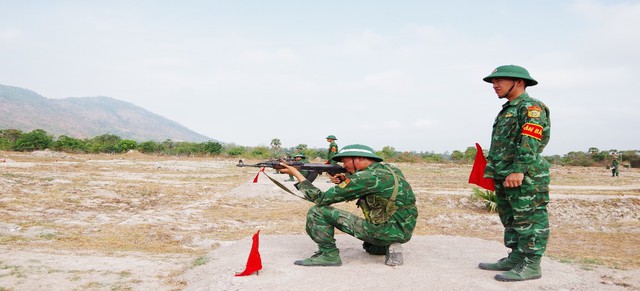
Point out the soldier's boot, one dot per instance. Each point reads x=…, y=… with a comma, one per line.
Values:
x=504, y=264
x=394, y=256
x=322, y=258
x=527, y=269
x=374, y=249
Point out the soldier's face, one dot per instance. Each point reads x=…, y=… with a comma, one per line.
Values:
x=349, y=163
x=353, y=164
x=501, y=86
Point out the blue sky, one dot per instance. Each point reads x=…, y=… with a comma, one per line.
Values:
x=406, y=74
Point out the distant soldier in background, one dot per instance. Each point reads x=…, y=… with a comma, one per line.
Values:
x=615, y=162
x=300, y=158
x=333, y=149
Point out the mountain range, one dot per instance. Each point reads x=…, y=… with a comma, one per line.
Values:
x=87, y=117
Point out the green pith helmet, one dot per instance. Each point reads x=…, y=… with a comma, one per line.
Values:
x=511, y=71
x=356, y=150
x=299, y=156
x=331, y=136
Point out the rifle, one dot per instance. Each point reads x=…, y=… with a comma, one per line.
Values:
x=313, y=170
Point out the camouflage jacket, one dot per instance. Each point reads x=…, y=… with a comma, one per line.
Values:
x=520, y=132
x=615, y=162
x=374, y=180
x=332, y=151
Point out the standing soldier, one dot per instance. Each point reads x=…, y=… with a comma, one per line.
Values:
x=614, y=165
x=333, y=148
x=521, y=175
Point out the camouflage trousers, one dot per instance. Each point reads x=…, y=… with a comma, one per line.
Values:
x=523, y=213
x=323, y=220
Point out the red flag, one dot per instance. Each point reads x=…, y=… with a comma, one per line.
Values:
x=254, y=262
x=255, y=180
x=477, y=172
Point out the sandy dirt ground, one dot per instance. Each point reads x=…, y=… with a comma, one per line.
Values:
x=135, y=222
x=431, y=263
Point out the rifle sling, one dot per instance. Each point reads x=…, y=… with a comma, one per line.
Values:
x=283, y=187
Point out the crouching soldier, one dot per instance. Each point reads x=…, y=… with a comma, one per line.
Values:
x=383, y=194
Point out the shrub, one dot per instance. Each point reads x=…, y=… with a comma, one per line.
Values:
x=260, y=153
x=37, y=139
x=491, y=201
x=236, y=151
x=212, y=148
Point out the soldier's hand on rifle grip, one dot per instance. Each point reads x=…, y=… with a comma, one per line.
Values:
x=337, y=178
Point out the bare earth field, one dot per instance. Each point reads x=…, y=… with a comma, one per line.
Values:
x=138, y=222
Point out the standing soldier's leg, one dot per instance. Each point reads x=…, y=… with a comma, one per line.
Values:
x=531, y=222
x=511, y=237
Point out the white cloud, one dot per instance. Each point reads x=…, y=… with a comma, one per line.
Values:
x=614, y=26
x=394, y=80
x=272, y=57
x=363, y=44
x=10, y=34
x=392, y=124
x=425, y=124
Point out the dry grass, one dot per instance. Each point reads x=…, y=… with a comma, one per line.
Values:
x=160, y=205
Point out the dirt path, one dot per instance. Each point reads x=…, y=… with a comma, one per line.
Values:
x=431, y=263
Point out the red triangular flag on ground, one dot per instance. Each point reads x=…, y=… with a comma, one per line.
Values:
x=255, y=180
x=477, y=172
x=254, y=262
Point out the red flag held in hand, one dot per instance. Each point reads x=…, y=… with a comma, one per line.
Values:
x=255, y=180
x=254, y=262
x=477, y=172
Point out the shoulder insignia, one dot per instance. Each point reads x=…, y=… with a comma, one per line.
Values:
x=532, y=130
x=508, y=114
x=534, y=111
x=344, y=183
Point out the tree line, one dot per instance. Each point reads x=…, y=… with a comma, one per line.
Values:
x=38, y=139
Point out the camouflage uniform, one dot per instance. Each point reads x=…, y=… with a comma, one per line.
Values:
x=375, y=180
x=520, y=133
x=333, y=149
x=303, y=160
x=614, y=167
